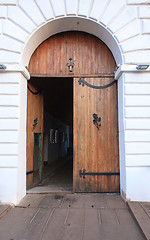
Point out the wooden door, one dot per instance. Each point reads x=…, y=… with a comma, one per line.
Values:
x=95, y=145
x=95, y=150
x=34, y=133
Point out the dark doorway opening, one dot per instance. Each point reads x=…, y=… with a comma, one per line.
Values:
x=57, y=165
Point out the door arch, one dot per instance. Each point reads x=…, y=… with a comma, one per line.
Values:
x=93, y=60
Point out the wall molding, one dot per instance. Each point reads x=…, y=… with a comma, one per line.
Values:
x=128, y=68
x=16, y=68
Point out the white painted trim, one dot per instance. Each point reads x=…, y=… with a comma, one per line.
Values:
x=70, y=23
x=128, y=68
x=16, y=68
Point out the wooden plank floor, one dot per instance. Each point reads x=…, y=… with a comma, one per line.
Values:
x=141, y=212
x=70, y=217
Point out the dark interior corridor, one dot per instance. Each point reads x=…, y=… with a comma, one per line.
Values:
x=57, y=134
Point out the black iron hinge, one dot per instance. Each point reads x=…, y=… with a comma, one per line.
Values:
x=82, y=82
x=84, y=173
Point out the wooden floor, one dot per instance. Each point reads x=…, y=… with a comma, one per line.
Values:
x=70, y=217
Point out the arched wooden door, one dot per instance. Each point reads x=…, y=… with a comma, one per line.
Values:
x=96, y=154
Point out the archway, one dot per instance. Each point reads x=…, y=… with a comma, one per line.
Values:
x=71, y=23
x=93, y=61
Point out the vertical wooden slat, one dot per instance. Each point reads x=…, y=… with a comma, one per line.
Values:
x=90, y=55
x=34, y=110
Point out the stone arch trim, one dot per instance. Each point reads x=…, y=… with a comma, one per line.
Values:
x=68, y=24
x=118, y=21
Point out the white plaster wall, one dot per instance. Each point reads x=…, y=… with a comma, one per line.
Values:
x=21, y=177
x=137, y=135
x=124, y=27
x=12, y=136
x=121, y=128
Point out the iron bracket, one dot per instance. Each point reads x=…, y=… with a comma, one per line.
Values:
x=82, y=82
x=84, y=173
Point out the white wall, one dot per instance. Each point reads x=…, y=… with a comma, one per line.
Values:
x=12, y=137
x=137, y=135
x=121, y=136
x=124, y=27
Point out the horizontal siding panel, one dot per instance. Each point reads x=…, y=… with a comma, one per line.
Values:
x=137, y=57
x=8, y=161
x=137, y=148
x=134, y=112
x=9, y=57
x=9, y=136
x=145, y=26
x=6, y=100
x=8, y=148
x=137, y=160
x=137, y=136
x=137, y=123
x=137, y=89
x=137, y=182
x=9, y=88
x=10, y=44
x=137, y=101
x=137, y=77
x=9, y=124
x=9, y=112
x=10, y=77
x=8, y=2
x=136, y=43
x=9, y=184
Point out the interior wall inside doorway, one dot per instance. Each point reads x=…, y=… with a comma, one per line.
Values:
x=54, y=148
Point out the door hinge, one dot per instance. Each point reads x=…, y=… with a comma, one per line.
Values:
x=84, y=173
x=82, y=82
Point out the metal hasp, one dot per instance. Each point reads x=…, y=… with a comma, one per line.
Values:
x=82, y=82
x=96, y=120
x=84, y=173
